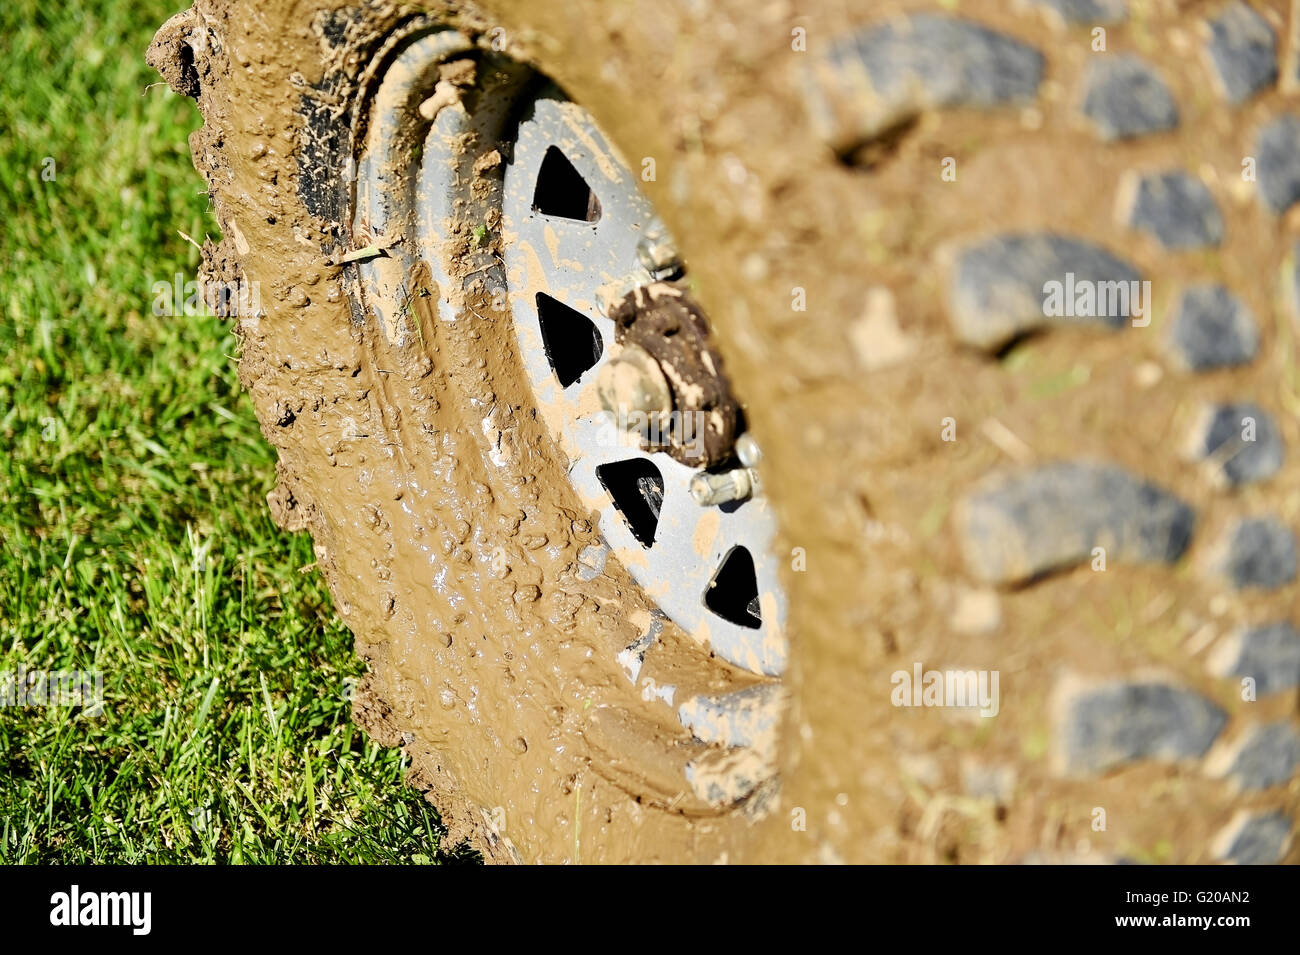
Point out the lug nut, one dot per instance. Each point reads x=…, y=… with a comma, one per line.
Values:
x=712, y=489
x=748, y=451
x=658, y=255
x=611, y=294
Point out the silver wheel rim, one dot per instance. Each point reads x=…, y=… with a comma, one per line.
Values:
x=570, y=261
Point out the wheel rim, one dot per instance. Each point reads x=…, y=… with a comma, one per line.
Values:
x=686, y=555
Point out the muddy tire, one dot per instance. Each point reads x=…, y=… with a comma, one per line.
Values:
x=1010, y=299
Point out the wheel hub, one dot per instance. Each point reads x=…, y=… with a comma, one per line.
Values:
x=579, y=232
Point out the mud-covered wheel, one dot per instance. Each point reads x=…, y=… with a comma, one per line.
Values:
x=1007, y=300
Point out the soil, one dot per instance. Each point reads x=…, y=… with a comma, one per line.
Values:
x=500, y=678
x=670, y=327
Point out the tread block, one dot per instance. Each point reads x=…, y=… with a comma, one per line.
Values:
x=1176, y=209
x=1242, y=52
x=1257, y=552
x=1277, y=155
x=1104, y=726
x=1264, y=757
x=1240, y=443
x=885, y=74
x=1085, y=12
x=1126, y=98
x=1253, y=838
x=1053, y=517
x=999, y=286
x=1212, y=328
x=1268, y=654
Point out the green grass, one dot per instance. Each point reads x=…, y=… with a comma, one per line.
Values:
x=135, y=536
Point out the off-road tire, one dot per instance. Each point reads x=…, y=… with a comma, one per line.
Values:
x=870, y=201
